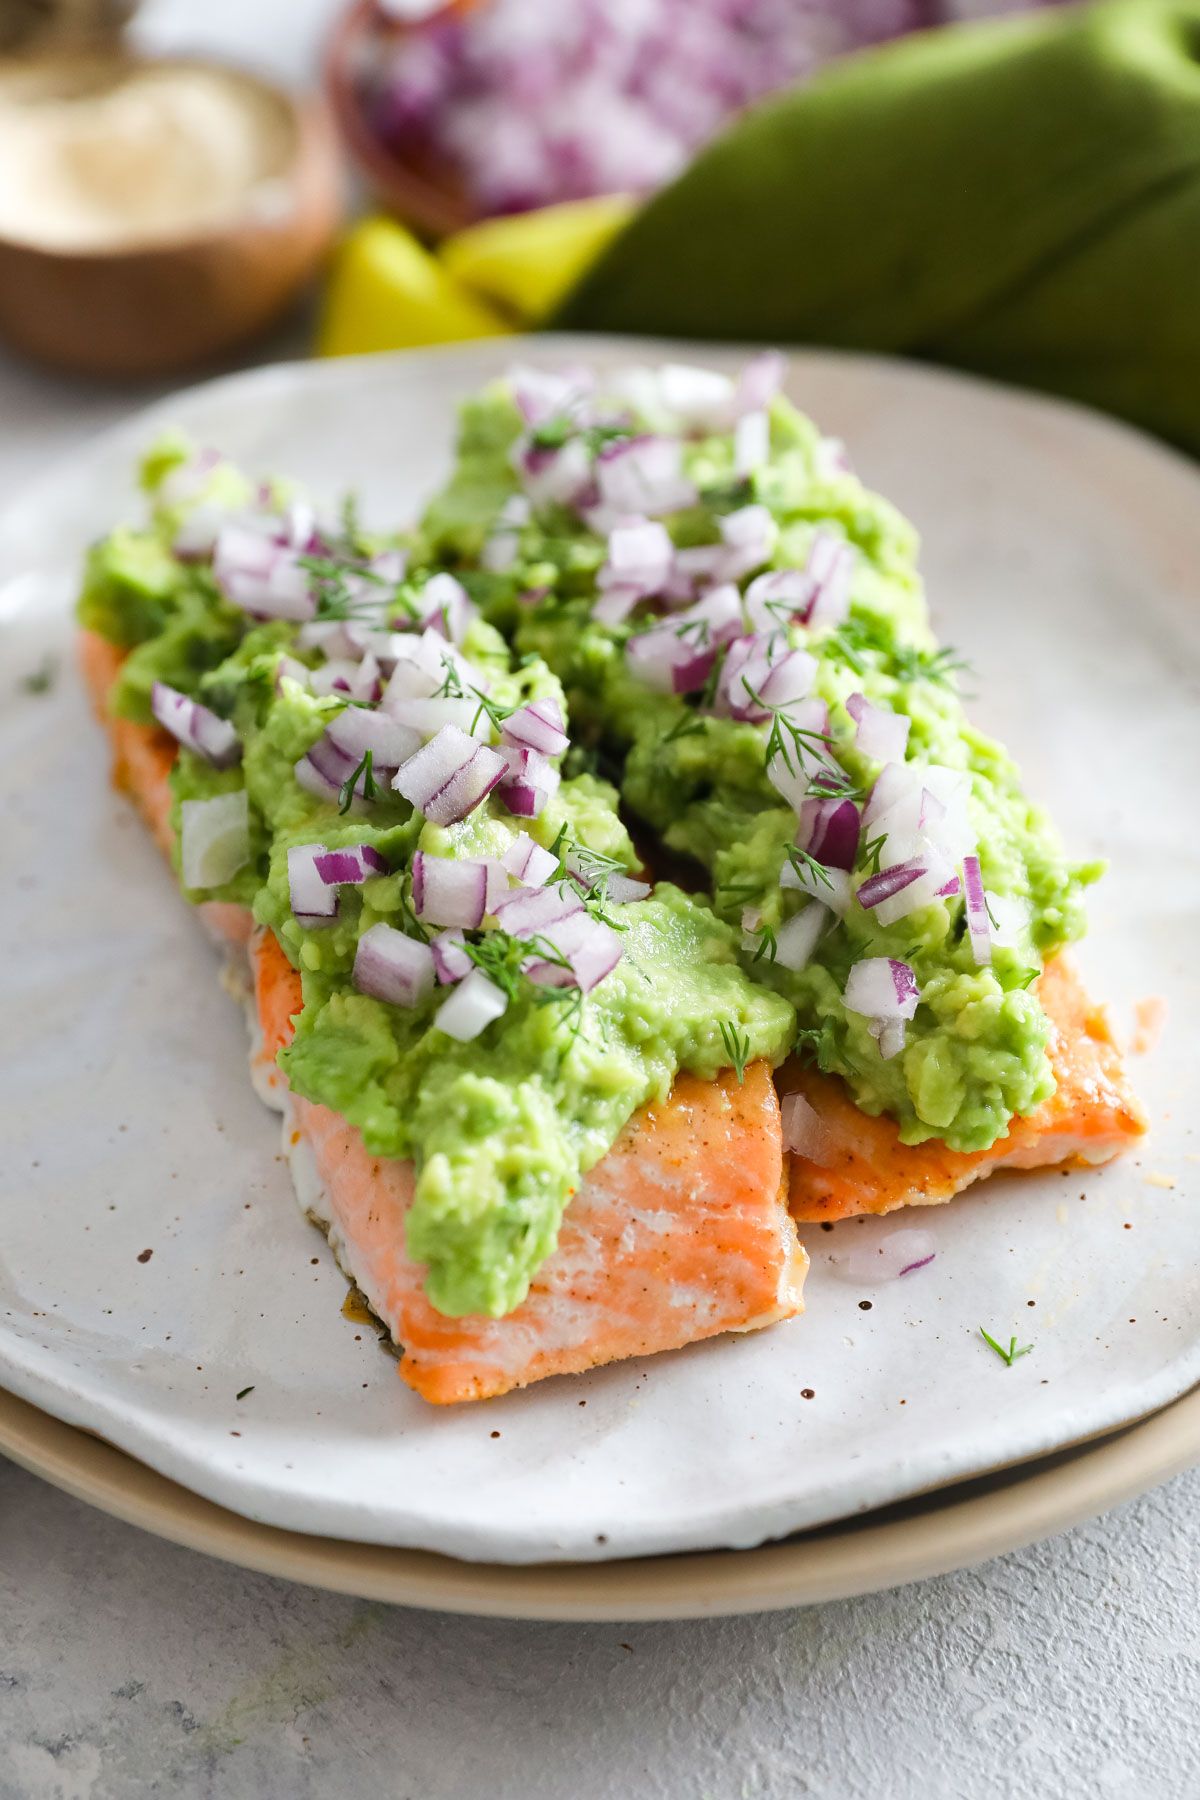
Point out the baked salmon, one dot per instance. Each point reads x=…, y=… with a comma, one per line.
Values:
x=680, y=1233
x=1090, y=1118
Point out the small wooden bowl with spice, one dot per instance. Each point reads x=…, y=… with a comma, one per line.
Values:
x=153, y=214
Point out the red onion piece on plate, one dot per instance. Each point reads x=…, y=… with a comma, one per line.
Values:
x=390, y=966
x=805, y=1131
x=894, y=1254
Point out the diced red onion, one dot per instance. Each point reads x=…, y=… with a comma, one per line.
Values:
x=904, y=887
x=199, y=530
x=428, y=717
x=449, y=891
x=194, y=726
x=528, y=862
x=356, y=680
x=450, y=960
x=644, y=475
x=623, y=890
x=471, y=1008
x=696, y=399
x=774, y=599
x=640, y=554
x=538, y=725
x=881, y=734
x=668, y=663
x=449, y=777
x=420, y=668
x=884, y=991
x=760, y=380
x=751, y=443
x=796, y=940
x=311, y=899
x=749, y=536
x=261, y=574
x=289, y=669
x=978, y=923
x=831, y=886
x=527, y=911
x=214, y=839
x=830, y=458
x=349, y=866
x=542, y=394
x=557, y=477
x=829, y=830
x=830, y=567
x=359, y=729
x=530, y=781
x=895, y=1254
x=446, y=607
x=877, y=888
x=390, y=966
x=591, y=948
x=805, y=1132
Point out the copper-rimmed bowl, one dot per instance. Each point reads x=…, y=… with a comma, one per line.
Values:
x=168, y=302
x=421, y=191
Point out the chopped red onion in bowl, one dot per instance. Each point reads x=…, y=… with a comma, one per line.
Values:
x=805, y=1132
x=889, y=1257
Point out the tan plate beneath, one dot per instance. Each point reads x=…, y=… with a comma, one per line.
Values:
x=963, y=1525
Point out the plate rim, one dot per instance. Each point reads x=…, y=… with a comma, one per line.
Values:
x=856, y=1556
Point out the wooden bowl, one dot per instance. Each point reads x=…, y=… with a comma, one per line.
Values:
x=169, y=302
x=423, y=193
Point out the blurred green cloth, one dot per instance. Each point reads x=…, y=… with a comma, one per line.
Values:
x=1020, y=198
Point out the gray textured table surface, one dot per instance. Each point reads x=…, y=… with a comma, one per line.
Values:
x=130, y=1668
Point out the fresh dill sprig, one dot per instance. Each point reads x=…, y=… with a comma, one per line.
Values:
x=494, y=709
x=768, y=944
x=370, y=787
x=452, y=687
x=808, y=1040
x=244, y=1391
x=695, y=631
x=1007, y=1357
x=335, y=599
x=742, y=887
x=502, y=959
x=688, y=724
x=804, y=864
x=942, y=667
x=872, y=851
x=737, y=1047
x=783, y=728
x=41, y=679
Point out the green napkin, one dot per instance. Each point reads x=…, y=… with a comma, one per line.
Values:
x=1020, y=198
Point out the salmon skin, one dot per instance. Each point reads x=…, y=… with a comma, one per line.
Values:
x=1090, y=1118
x=680, y=1233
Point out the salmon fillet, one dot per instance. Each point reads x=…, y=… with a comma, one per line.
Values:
x=680, y=1233
x=1090, y=1118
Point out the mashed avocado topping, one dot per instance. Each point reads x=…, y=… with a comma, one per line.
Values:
x=272, y=632
x=535, y=520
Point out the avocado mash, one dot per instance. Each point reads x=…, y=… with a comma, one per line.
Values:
x=535, y=520
x=503, y=1118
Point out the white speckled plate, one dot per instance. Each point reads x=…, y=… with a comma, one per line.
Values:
x=1061, y=555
